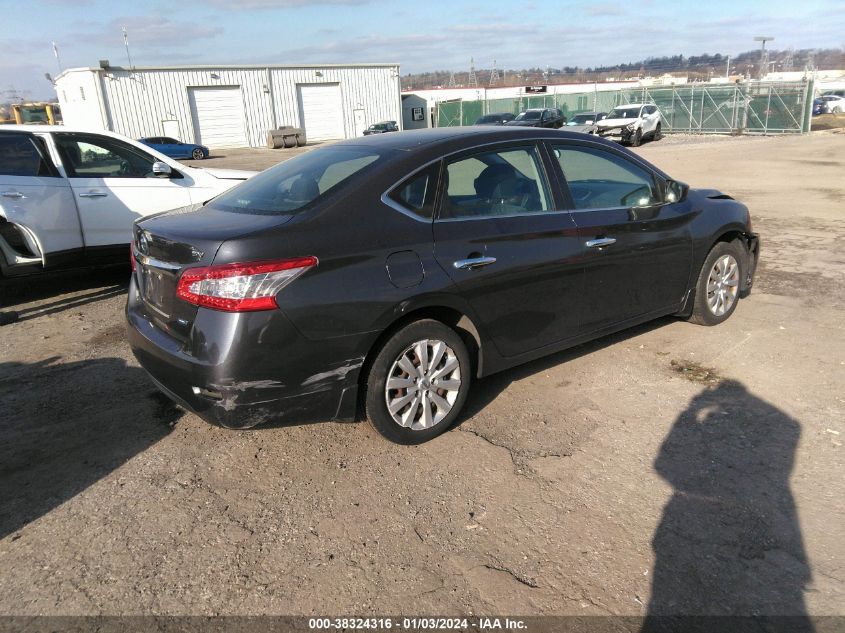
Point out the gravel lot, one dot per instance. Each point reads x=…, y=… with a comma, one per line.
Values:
x=667, y=469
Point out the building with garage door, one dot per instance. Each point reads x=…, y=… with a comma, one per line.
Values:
x=230, y=106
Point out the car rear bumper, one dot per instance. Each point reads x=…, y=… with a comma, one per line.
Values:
x=241, y=370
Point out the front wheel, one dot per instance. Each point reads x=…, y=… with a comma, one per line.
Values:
x=637, y=139
x=658, y=134
x=418, y=382
x=197, y=154
x=717, y=290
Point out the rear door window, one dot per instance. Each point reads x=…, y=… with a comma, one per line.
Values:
x=24, y=155
x=508, y=181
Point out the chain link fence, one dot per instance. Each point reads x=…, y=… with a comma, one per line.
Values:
x=748, y=108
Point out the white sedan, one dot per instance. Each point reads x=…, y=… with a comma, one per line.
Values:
x=70, y=197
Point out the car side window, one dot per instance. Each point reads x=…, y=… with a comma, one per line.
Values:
x=24, y=155
x=417, y=193
x=92, y=156
x=497, y=183
x=602, y=180
x=166, y=140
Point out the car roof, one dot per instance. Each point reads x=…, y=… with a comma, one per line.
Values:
x=630, y=105
x=409, y=140
x=45, y=129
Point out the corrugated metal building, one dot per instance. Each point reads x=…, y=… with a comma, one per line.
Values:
x=231, y=106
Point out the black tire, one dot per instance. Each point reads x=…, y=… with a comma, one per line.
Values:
x=197, y=154
x=394, y=348
x=637, y=138
x=658, y=134
x=702, y=314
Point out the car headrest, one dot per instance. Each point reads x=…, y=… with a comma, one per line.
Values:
x=490, y=177
x=304, y=189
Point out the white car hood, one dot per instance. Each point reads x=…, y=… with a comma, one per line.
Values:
x=616, y=122
x=229, y=174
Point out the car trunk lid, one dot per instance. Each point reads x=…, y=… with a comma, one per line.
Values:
x=166, y=244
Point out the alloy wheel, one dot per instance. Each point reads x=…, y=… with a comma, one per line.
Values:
x=723, y=285
x=423, y=384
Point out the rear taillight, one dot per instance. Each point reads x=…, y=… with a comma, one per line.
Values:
x=240, y=287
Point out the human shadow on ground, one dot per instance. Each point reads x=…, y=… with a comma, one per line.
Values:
x=65, y=426
x=729, y=554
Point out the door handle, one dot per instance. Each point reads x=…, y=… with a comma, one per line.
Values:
x=93, y=194
x=600, y=242
x=12, y=194
x=474, y=262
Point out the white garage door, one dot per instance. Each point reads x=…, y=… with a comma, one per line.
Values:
x=218, y=116
x=321, y=110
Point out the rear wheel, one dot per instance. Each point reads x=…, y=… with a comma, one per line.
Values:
x=418, y=382
x=717, y=290
x=197, y=154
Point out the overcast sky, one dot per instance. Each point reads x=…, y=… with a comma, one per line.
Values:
x=421, y=35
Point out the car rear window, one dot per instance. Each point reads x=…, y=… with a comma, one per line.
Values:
x=296, y=183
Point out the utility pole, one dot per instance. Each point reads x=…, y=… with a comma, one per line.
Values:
x=56, y=53
x=728, y=68
x=764, y=56
x=126, y=44
x=451, y=82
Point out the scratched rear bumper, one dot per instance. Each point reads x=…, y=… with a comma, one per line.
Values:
x=241, y=370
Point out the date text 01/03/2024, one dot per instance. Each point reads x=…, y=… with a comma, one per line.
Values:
x=416, y=624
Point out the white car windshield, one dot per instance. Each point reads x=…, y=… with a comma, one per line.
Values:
x=624, y=113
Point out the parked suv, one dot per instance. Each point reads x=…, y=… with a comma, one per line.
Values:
x=381, y=128
x=496, y=118
x=540, y=117
x=69, y=197
x=632, y=123
x=384, y=274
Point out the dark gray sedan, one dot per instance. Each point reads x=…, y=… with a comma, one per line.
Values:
x=380, y=276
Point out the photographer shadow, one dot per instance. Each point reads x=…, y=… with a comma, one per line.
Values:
x=729, y=554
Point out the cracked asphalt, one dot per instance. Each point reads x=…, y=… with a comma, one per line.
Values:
x=668, y=469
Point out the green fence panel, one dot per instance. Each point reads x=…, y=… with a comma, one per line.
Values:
x=472, y=111
x=449, y=114
x=752, y=108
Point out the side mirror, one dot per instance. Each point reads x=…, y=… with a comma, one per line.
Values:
x=676, y=191
x=161, y=170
